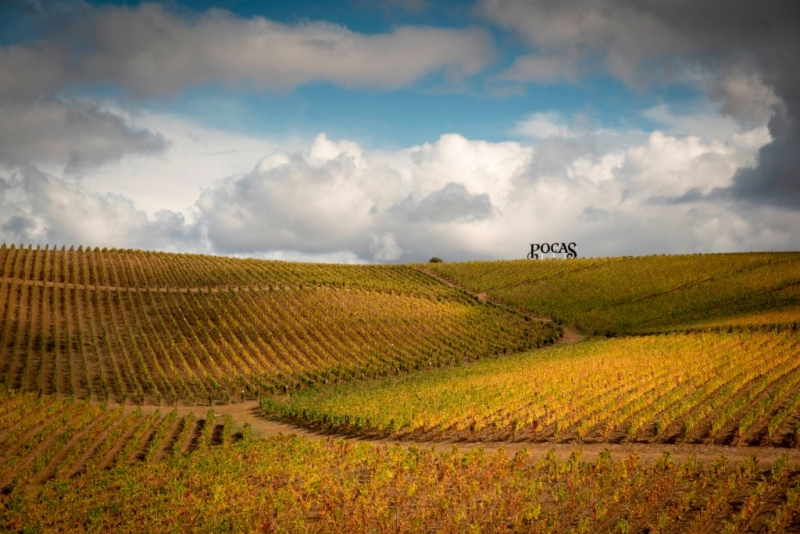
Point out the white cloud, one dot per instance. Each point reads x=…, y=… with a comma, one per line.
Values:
x=313, y=202
x=743, y=52
x=196, y=158
x=459, y=198
x=545, y=125
x=335, y=200
x=40, y=208
x=671, y=166
x=449, y=204
x=704, y=121
x=150, y=50
x=381, y=205
x=384, y=247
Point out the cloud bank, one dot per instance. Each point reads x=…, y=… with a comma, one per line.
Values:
x=74, y=135
x=724, y=177
x=149, y=51
x=456, y=198
x=744, y=52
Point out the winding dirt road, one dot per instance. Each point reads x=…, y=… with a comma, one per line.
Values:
x=249, y=412
x=571, y=334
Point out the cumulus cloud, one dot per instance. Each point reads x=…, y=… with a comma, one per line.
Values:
x=149, y=50
x=451, y=203
x=384, y=247
x=314, y=202
x=546, y=125
x=456, y=198
x=702, y=121
x=703, y=181
x=745, y=52
x=335, y=196
x=196, y=157
x=39, y=208
x=464, y=199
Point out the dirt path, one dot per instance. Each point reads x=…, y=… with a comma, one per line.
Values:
x=571, y=334
x=249, y=412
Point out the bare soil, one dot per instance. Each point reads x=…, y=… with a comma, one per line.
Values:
x=249, y=412
x=571, y=334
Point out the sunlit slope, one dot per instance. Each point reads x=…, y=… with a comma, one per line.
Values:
x=116, y=268
x=733, y=389
x=46, y=438
x=645, y=294
x=131, y=325
x=288, y=484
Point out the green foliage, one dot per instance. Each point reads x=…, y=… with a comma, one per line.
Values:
x=117, y=324
x=222, y=328
x=686, y=387
x=612, y=296
x=290, y=484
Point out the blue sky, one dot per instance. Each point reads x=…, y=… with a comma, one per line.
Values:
x=475, y=107
x=367, y=131
x=417, y=114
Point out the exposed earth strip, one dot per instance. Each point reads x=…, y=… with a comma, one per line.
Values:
x=249, y=412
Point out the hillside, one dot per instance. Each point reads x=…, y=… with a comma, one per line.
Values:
x=728, y=374
x=289, y=484
x=614, y=296
x=687, y=358
x=711, y=388
x=168, y=328
x=47, y=438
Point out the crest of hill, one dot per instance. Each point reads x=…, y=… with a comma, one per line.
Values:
x=152, y=327
x=649, y=294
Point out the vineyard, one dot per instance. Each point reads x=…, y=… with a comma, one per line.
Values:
x=744, y=390
x=129, y=326
x=45, y=438
x=288, y=484
x=613, y=296
x=118, y=365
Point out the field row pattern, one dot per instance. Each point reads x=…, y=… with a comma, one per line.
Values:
x=166, y=271
x=47, y=438
x=166, y=347
x=731, y=389
x=644, y=294
x=290, y=484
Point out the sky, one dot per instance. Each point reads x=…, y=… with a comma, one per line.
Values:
x=366, y=131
